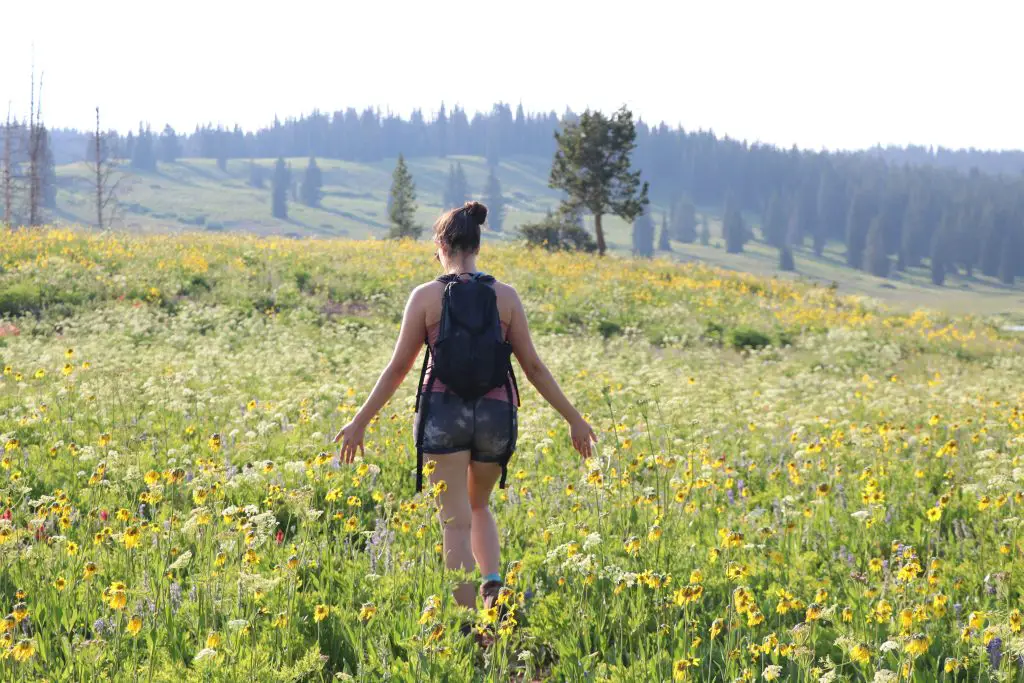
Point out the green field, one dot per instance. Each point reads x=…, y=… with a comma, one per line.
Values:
x=790, y=484
x=193, y=194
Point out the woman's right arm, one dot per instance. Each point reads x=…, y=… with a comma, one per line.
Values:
x=541, y=378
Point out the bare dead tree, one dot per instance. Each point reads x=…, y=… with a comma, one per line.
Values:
x=35, y=152
x=105, y=178
x=8, y=176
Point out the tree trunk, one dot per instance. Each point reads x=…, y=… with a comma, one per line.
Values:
x=99, y=173
x=601, y=248
x=8, y=179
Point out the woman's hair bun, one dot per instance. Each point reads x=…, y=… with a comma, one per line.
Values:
x=476, y=211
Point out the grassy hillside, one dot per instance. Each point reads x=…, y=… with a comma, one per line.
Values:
x=790, y=484
x=194, y=194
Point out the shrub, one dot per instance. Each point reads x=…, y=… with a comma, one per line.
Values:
x=714, y=331
x=558, y=232
x=741, y=338
x=608, y=329
x=19, y=298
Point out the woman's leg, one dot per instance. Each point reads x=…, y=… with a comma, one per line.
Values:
x=486, y=549
x=456, y=517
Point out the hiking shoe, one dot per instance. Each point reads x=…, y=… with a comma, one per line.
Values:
x=490, y=591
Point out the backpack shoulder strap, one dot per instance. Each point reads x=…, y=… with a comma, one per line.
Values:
x=423, y=373
x=422, y=404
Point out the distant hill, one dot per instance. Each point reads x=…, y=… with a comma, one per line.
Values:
x=194, y=194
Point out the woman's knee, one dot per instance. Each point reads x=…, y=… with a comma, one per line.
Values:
x=480, y=507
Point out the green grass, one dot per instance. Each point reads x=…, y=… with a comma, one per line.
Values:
x=194, y=194
x=789, y=483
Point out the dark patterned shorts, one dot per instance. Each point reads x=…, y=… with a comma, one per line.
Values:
x=487, y=427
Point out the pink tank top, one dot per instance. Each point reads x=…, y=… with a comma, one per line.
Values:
x=499, y=393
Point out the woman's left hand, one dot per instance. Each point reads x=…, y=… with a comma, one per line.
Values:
x=351, y=438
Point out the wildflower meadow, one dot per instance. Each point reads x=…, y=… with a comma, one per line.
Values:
x=789, y=484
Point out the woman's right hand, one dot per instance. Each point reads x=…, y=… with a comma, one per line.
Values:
x=583, y=436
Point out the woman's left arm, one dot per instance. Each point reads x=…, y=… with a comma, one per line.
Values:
x=410, y=340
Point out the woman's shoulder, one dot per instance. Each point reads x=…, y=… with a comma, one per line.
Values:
x=430, y=286
x=508, y=297
x=503, y=288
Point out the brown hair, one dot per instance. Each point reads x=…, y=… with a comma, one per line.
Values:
x=459, y=229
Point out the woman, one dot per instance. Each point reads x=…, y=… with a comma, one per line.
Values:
x=463, y=441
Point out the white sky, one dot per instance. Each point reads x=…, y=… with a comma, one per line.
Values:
x=818, y=73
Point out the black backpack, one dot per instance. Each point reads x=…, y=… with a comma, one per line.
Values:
x=471, y=355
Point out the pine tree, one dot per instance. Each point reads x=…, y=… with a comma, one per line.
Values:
x=786, y=259
x=312, y=184
x=402, y=211
x=143, y=154
x=915, y=227
x=129, y=146
x=1008, y=259
x=684, y=221
x=992, y=241
x=805, y=203
x=733, y=228
x=948, y=226
x=774, y=224
x=875, y=259
x=279, y=190
x=592, y=166
x=938, y=259
x=441, y=128
x=170, y=148
x=705, y=232
x=456, y=192
x=664, y=244
x=495, y=201
x=966, y=236
x=857, y=223
x=643, y=236
x=831, y=209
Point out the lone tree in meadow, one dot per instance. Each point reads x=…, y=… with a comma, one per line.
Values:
x=786, y=259
x=643, y=236
x=704, y=234
x=592, y=166
x=402, y=203
x=775, y=222
x=733, y=229
x=875, y=259
x=495, y=201
x=279, y=190
x=312, y=184
x=684, y=221
x=456, y=192
x=664, y=243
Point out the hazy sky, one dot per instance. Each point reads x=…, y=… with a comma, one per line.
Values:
x=818, y=73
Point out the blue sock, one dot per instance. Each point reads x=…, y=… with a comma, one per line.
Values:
x=492, y=577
